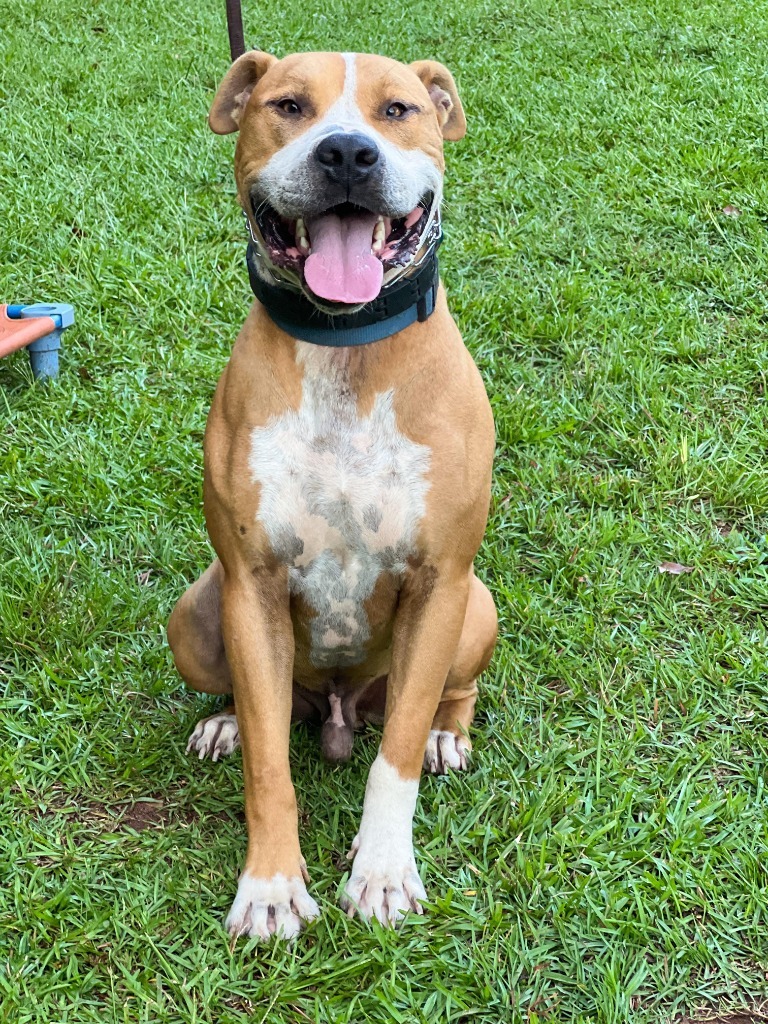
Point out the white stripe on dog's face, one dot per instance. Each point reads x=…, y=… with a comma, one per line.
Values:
x=291, y=180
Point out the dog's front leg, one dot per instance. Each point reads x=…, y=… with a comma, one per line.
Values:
x=272, y=897
x=385, y=882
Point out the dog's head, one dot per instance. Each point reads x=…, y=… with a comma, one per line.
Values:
x=339, y=163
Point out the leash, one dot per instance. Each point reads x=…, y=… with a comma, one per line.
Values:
x=235, y=29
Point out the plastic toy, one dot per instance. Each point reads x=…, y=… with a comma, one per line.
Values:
x=38, y=328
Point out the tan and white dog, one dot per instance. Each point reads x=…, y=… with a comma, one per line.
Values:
x=346, y=488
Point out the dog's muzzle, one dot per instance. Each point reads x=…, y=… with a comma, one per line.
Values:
x=282, y=250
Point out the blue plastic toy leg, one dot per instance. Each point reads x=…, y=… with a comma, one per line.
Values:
x=44, y=355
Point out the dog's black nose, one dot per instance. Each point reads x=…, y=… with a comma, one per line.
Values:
x=347, y=157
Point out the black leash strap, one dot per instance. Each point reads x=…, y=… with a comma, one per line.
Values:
x=235, y=29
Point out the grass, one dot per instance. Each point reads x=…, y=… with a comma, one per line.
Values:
x=605, y=858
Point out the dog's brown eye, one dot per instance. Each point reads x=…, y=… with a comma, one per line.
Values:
x=289, y=106
x=396, y=110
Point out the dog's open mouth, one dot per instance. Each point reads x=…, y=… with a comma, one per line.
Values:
x=342, y=254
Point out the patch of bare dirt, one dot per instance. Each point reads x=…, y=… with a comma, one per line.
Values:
x=755, y=1015
x=135, y=813
x=144, y=814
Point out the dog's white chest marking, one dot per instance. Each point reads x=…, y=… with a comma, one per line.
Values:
x=342, y=496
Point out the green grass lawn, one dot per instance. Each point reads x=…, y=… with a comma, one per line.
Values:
x=606, y=857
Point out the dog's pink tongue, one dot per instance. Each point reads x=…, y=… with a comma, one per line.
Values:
x=342, y=267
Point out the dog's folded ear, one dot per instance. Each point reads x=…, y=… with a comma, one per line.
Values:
x=235, y=90
x=442, y=91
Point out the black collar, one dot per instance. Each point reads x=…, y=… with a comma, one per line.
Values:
x=396, y=307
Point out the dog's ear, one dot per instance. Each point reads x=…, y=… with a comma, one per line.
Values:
x=442, y=91
x=235, y=90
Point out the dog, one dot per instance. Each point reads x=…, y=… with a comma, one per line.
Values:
x=348, y=456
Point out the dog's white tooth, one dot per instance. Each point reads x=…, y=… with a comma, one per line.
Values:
x=379, y=234
x=302, y=238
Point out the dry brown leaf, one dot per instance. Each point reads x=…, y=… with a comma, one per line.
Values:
x=674, y=568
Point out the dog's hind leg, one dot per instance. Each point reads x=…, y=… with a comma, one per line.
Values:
x=448, y=745
x=195, y=637
x=197, y=643
x=194, y=634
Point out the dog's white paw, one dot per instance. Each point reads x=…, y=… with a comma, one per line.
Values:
x=384, y=884
x=215, y=737
x=264, y=907
x=446, y=750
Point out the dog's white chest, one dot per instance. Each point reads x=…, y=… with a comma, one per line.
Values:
x=342, y=496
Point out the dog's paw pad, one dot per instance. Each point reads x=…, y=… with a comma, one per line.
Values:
x=215, y=737
x=446, y=750
x=267, y=907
